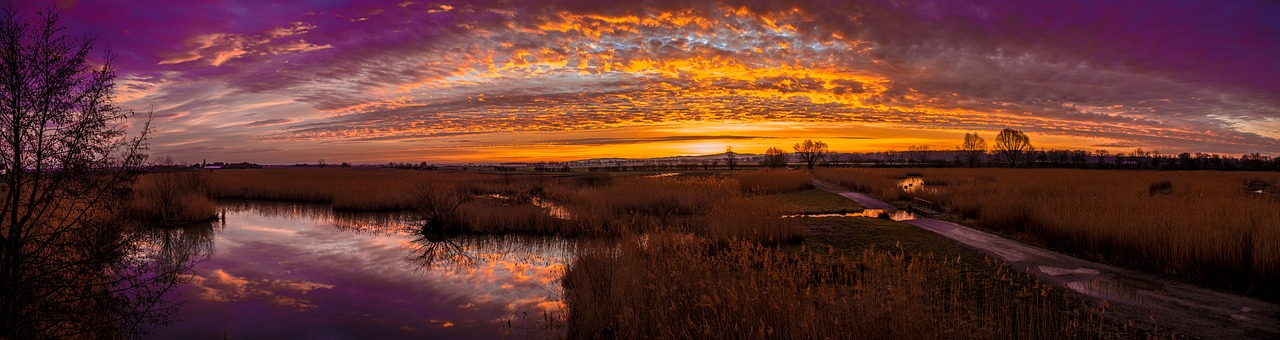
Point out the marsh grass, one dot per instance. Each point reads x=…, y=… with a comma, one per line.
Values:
x=494, y=216
x=168, y=199
x=679, y=286
x=345, y=189
x=755, y=219
x=773, y=181
x=709, y=206
x=1205, y=227
x=592, y=204
x=815, y=201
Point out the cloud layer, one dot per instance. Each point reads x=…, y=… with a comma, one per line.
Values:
x=408, y=80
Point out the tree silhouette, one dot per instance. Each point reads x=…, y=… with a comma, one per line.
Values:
x=775, y=158
x=1012, y=146
x=730, y=158
x=811, y=152
x=68, y=267
x=973, y=149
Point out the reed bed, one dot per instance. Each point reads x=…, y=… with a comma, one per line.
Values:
x=679, y=286
x=709, y=206
x=1216, y=228
x=757, y=219
x=169, y=199
x=773, y=181
x=658, y=196
x=575, y=205
x=345, y=189
x=494, y=216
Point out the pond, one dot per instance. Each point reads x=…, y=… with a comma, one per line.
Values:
x=290, y=270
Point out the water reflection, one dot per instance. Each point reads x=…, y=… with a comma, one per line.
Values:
x=438, y=248
x=301, y=270
x=98, y=279
x=1119, y=288
x=917, y=185
x=896, y=215
x=911, y=184
x=175, y=250
x=375, y=223
x=552, y=209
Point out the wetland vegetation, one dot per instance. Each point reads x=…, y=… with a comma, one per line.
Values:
x=703, y=255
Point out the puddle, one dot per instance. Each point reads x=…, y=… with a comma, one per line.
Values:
x=896, y=215
x=1242, y=316
x=1055, y=271
x=1119, y=288
x=554, y=210
x=917, y=185
x=911, y=184
x=665, y=174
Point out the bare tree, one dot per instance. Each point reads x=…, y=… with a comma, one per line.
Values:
x=775, y=158
x=68, y=268
x=1102, y=156
x=973, y=149
x=730, y=158
x=1012, y=146
x=811, y=152
x=919, y=153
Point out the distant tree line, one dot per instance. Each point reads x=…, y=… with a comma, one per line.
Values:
x=1011, y=148
x=1014, y=149
x=655, y=166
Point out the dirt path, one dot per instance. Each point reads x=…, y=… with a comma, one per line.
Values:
x=1188, y=309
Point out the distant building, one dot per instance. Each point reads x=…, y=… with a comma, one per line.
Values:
x=221, y=165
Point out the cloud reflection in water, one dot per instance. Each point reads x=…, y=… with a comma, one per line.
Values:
x=300, y=270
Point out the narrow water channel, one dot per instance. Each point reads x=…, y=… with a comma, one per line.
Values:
x=893, y=214
x=289, y=270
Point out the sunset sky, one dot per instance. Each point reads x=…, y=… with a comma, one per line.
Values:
x=496, y=81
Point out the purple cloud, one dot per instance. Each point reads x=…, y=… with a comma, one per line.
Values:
x=1180, y=76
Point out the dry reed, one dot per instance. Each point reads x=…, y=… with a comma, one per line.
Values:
x=576, y=205
x=673, y=286
x=346, y=189
x=170, y=199
x=773, y=181
x=708, y=206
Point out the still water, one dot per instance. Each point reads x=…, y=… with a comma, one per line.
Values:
x=893, y=214
x=292, y=270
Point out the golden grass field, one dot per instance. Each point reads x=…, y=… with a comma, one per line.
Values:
x=1207, y=227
